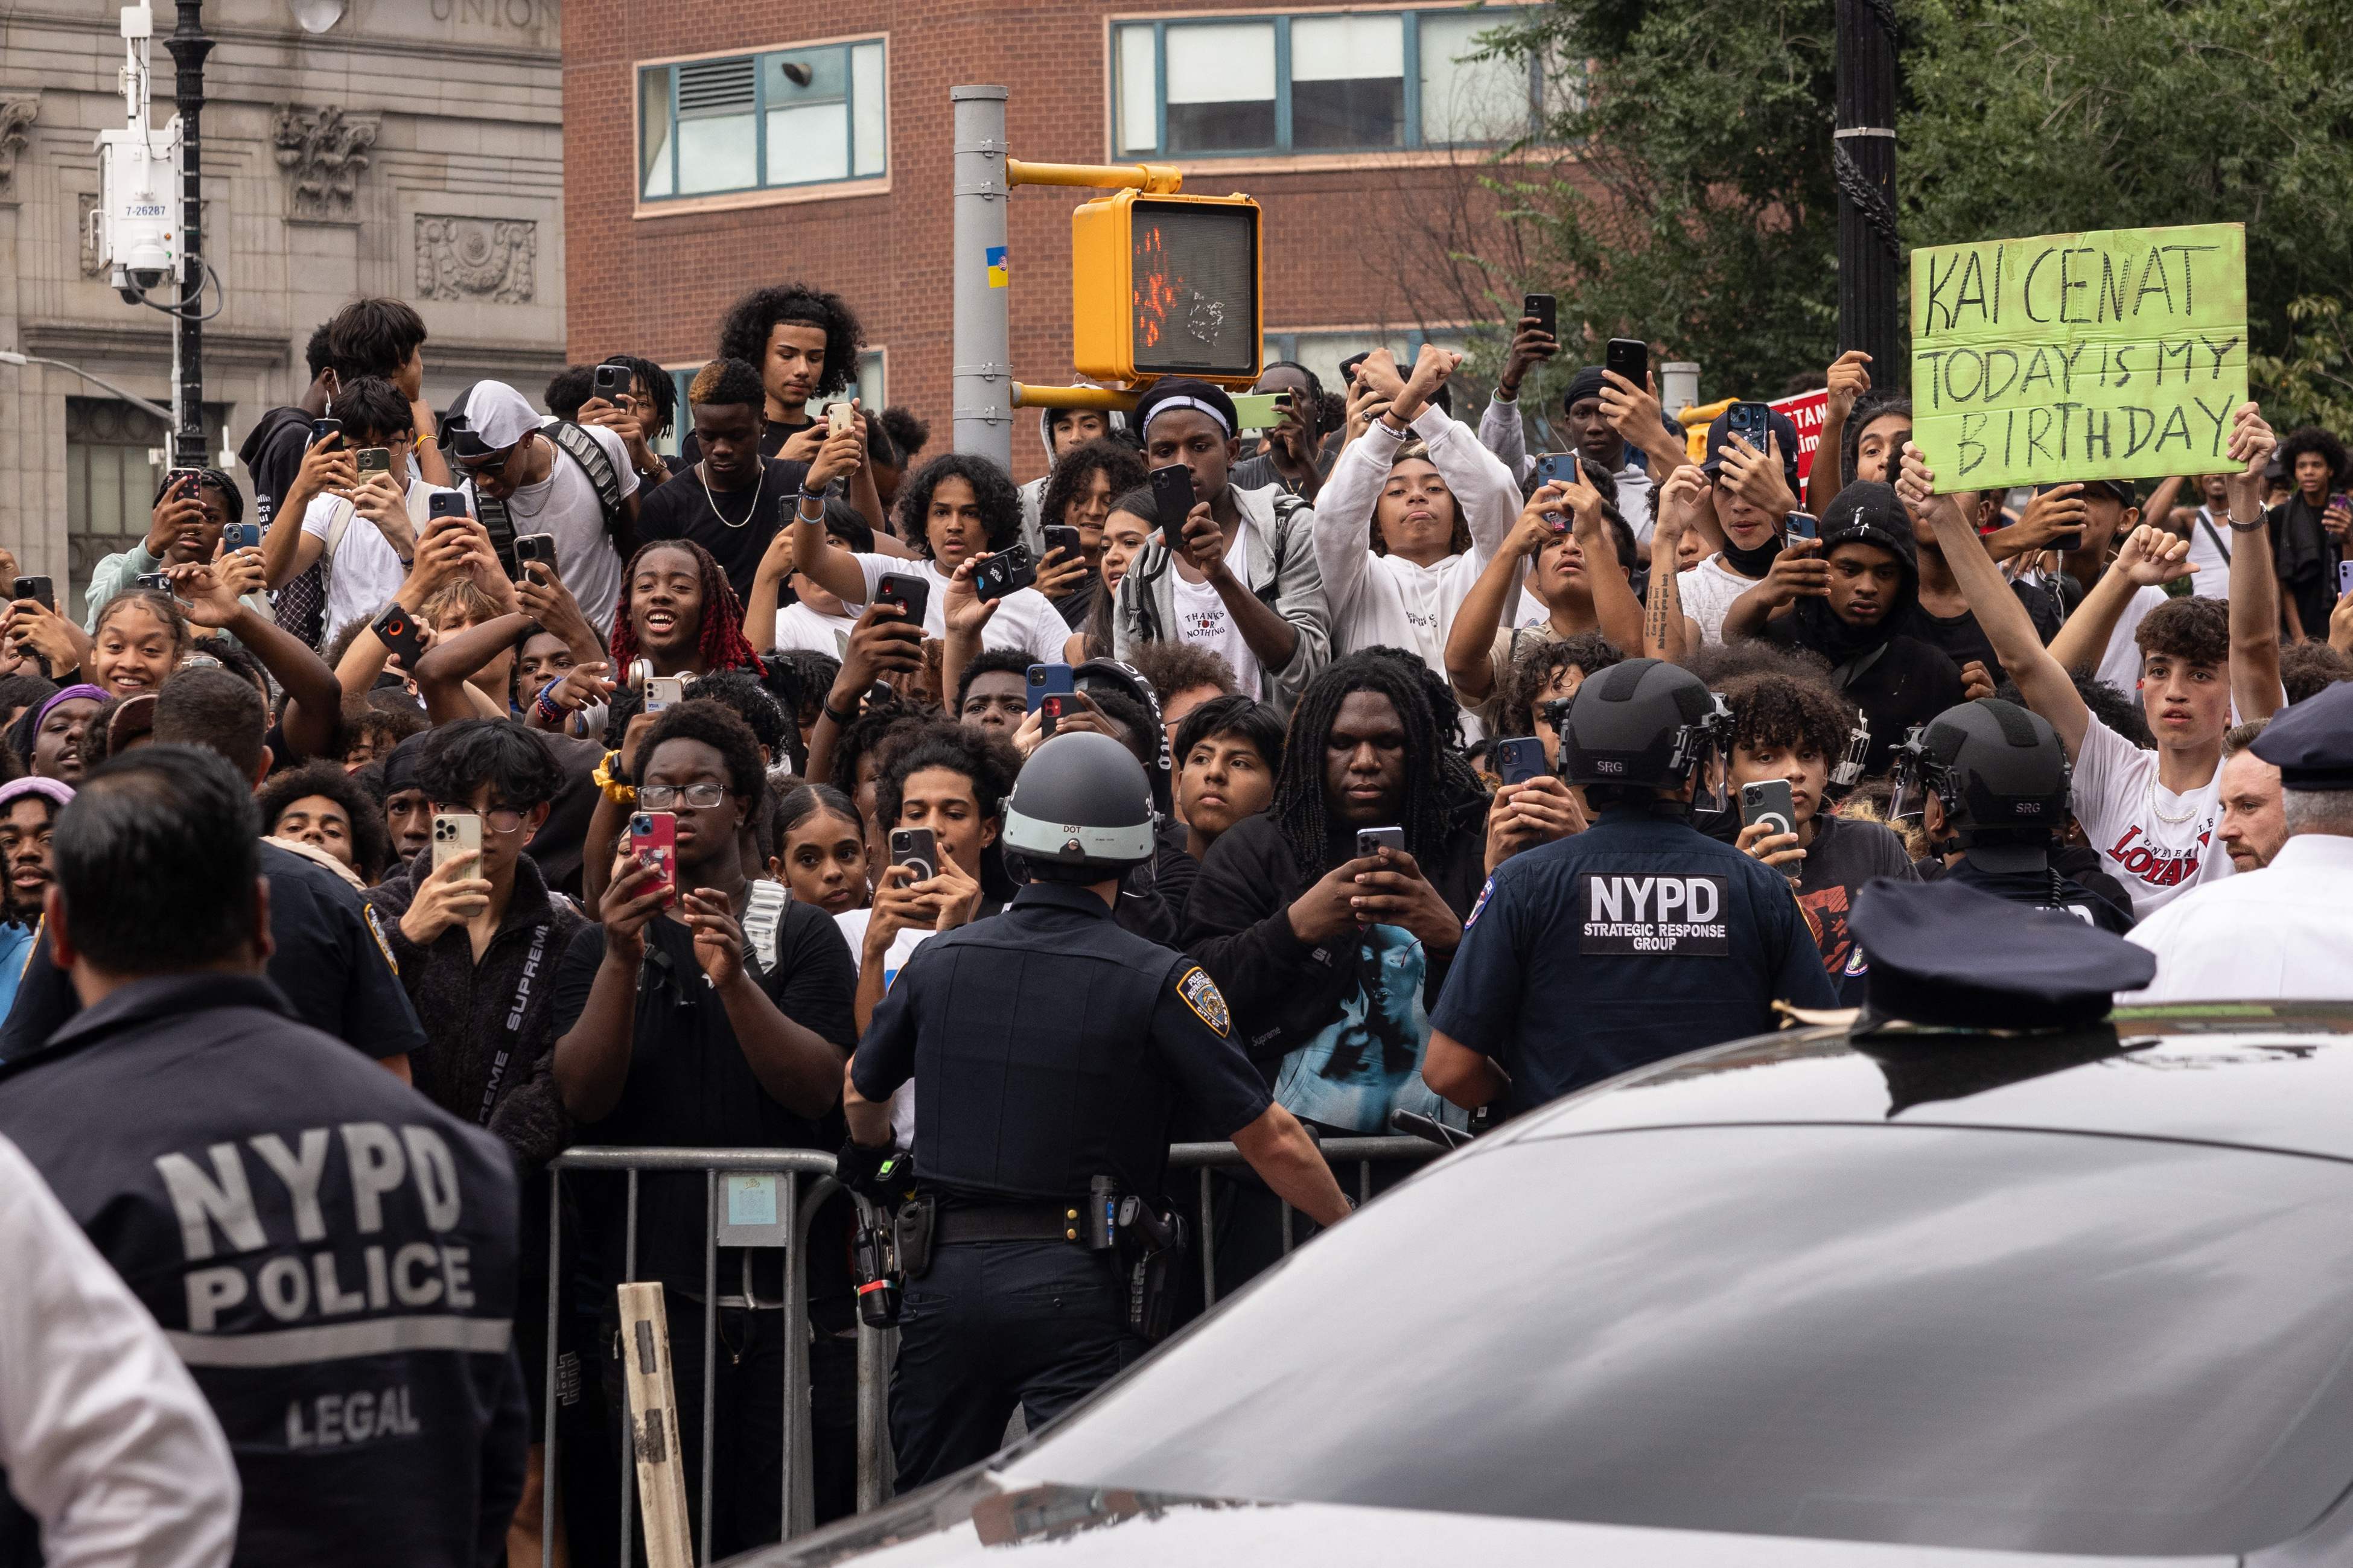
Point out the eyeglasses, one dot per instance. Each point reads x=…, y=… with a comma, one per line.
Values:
x=662, y=797
x=498, y=819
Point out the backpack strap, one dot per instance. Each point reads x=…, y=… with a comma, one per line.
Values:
x=594, y=461
x=492, y=515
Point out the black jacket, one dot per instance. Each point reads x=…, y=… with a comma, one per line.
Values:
x=332, y=1256
x=471, y=1019
x=1238, y=925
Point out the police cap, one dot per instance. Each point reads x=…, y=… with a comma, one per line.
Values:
x=1080, y=808
x=1643, y=722
x=1945, y=954
x=2001, y=774
x=2311, y=742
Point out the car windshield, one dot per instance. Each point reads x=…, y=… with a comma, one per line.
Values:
x=1993, y=1340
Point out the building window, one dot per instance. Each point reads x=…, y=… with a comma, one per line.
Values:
x=868, y=393
x=764, y=121
x=1337, y=82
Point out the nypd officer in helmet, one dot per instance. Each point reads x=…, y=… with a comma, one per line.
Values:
x=1637, y=939
x=1049, y=1049
x=331, y=1255
x=1989, y=780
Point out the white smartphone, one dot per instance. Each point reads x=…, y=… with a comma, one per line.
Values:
x=454, y=837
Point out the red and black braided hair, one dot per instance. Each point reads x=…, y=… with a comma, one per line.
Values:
x=720, y=646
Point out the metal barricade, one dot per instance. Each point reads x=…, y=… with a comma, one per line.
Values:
x=807, y=1181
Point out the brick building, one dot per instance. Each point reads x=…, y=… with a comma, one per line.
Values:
x=741, y=148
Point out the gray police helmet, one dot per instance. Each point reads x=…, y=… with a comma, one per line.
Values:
x=1644, y=722
x=1082, y=803
x=2001, y=775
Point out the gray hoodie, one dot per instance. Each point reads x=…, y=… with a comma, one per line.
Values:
x=1277, y=565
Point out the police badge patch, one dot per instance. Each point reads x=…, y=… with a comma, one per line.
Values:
x=375, y=929
x=1201, y=994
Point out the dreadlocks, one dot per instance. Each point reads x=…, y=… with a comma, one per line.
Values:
x=1441, y=793
x=720, y=646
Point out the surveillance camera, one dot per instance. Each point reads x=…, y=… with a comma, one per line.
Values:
x=146, y=278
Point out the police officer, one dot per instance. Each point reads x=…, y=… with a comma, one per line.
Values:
x=331, y=1254
x=1637, y=939
x=1990, y=780
x=1947, y=956
x=1049, y=1049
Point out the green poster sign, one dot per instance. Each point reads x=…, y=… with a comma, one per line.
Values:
x=2116, y=355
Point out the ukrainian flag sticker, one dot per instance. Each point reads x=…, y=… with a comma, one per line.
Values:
x=997, y=278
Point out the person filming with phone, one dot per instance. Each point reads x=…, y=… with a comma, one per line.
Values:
x=194, y=509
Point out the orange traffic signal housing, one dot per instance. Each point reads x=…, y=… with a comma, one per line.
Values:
x=1166, y=285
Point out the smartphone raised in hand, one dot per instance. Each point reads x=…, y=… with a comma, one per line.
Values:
x=1768, y=801
x=530, y=547
x=1172, y=498
x=321, y=428
x=449, y=503
x=918, y=849
x=373, y=460
x=1752, y=422
x=1519, y=759
x=653, y=838
x=40, y=590
x=1803, y=525
x=612, y=383
x=1557, y=469
x=455, y=836
x=1373, y=840
x=241, y=536
x=1049, y=680
x=398, y=630
x=1546, y=309
x=1067, y=539
x=910, y=594
x=1008, y=571
x=1628, y=357
x=2344, y=577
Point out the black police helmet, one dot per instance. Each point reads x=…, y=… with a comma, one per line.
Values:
x=1080, y=811
x=1644, y=722
x=2001, y=775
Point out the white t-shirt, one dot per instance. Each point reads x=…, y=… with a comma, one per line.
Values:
x=364, y=571
x=565, y=504
x=1025, y=620
x=799, y=626
x=1708, y=591
x=2276, y=932
x=2213, y=579
x=1204, y=621
x=853, y=924
x=2155, y=842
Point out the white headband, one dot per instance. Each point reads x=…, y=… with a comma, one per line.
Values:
x=1180, y=401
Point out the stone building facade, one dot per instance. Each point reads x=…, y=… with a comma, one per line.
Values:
x=410, y=147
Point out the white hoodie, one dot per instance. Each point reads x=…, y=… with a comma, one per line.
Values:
x=1386, y=600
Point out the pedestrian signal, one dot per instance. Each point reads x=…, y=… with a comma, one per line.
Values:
x=1166, y=285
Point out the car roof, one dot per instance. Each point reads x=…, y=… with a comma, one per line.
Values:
x=2270, y=1075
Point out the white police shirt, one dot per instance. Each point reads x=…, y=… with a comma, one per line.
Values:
x=2275, y=934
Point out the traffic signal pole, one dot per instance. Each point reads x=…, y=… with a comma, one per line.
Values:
x=981, y=376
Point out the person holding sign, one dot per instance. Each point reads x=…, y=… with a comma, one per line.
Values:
x=2152, y=816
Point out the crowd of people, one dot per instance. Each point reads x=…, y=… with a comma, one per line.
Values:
x=601, y=796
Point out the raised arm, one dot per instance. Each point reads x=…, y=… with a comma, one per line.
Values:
x=826, y=565
x=315, y=706
x=1470, y=640
x=2149, y=558
x=1848, y=378
x=1667, y=632
x=286, y=550
x=1343, y=511
x=2041, y=680
x=2254, y=586
x=1633, y=412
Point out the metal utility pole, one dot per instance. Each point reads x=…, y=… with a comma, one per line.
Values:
x=1863, y=158
x=981, y=376
x=189, y=46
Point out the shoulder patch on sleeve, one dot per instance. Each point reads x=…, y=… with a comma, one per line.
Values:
x=375, y=929
x=1209, y=1003
x=1485, y=892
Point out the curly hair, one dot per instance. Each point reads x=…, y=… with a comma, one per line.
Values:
x=1720, y=663
x=1441, y=793
x=1536, y=669
x=370, y=846
x=988, y=660
x=1171, y=666
x=2308, y=669
x=2313, y=438
x=907, y=433
x=716, y=726
x=1775, y=712
x=1074, y=476
x=721, y=645
x=874, y=733
x=992, y=488
x=2196, y=628
x=749, y=699
x=744, y=331
x=990, y=764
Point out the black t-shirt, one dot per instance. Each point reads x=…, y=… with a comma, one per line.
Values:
x=773, y=437
x=1909, y=682
x=327, y=957
x=273, y=455
x=1962, y=639
x=734, y=525
x=690, y=1087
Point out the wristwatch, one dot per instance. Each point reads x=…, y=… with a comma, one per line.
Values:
x=617, y=790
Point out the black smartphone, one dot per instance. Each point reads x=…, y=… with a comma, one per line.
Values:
x=1049, y=680
x=398, y=631
x=175, y=481
x=612, y=383
x=155, y=582
x=1628, y=357
x=1050, y=713
x=38, y=589
x=2066, y=543
x=1546, y=309
x=1065, y=539
x=1172, y=498
x=1008, y=571
x=530, y=547
x=1373, y=840
x=1803, y=525
x=322, y=428
x=447, y=503
x=1520, y=759
x=912, y=595
x=1752, y=422
x=916, y=847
